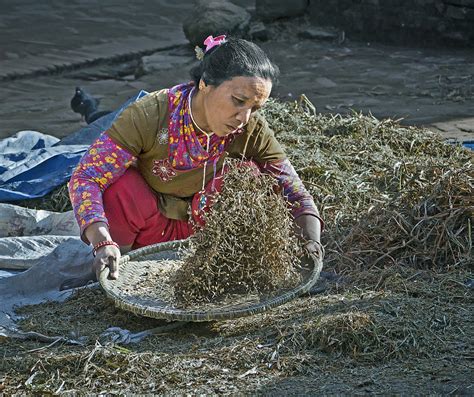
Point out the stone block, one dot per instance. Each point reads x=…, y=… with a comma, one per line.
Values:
x=423, y=3
x=215, y=18
x=159, y=61
x=462, y=3
x=269, y=10
x=440, y=6
x=375, y=3
x=353, y=21
x=426, y=22
x=455, y=36
x=470, y=17
x=319, y=34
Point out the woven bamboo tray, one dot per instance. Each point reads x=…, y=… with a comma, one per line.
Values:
x=138, y=265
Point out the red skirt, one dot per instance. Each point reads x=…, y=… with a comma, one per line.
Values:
x=131, y=208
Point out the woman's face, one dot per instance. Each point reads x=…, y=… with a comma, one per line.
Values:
x=228, y=106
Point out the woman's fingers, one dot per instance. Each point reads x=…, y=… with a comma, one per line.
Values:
x=315, y=248
x=98, y=266
x=107, y=256
x=113, y=267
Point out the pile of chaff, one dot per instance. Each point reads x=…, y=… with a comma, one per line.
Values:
x=247, y=246
x=390, y=195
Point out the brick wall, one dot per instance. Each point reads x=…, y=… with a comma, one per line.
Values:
x=427, y=22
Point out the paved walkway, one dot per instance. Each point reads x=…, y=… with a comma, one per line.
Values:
x=43, y=37
x=48, y=48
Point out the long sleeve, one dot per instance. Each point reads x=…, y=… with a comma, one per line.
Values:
x=102, y=165
x=294, y=191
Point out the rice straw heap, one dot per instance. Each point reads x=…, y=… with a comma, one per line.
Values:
x=389, y=194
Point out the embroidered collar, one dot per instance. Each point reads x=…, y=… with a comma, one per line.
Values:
x=186, y=149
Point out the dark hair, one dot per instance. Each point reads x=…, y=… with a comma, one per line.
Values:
x=235, y=57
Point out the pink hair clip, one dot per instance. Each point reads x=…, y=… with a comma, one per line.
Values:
x=211, y=42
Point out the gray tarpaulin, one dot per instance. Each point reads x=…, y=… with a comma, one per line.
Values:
x=47, y=246
x=32, y=164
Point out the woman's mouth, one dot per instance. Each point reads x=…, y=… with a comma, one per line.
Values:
x=232, y=128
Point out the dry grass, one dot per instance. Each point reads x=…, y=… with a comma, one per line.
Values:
x=57, y=200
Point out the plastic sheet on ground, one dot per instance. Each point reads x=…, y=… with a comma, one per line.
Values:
x=47, y=246
x=32, y=164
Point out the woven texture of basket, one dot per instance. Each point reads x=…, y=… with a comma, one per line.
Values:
x=135, y=266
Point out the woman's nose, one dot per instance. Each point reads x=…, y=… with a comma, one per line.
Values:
x=244, y=116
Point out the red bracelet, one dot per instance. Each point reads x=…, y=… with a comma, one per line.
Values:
x=103, y=244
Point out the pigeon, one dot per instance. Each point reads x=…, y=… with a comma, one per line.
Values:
x=86, y=105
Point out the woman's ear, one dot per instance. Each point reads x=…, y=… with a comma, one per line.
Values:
x=202, y=85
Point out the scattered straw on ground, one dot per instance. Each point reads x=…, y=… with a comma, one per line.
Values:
x=366, y=329
x=398, y=208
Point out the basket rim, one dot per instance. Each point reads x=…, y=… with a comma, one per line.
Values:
x=170, y=313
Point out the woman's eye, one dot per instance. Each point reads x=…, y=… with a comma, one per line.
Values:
x=238, y=101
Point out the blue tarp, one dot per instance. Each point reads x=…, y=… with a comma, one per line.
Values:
x=468, y=144
x=32, y=164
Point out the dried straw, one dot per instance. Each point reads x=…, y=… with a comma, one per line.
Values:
x=389, y=194
x=247, y=246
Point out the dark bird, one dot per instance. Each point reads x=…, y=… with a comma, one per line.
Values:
x=87, y=106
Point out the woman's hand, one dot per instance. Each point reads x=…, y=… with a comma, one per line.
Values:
x=314, y=248
x=107, y=256
x=308, y=227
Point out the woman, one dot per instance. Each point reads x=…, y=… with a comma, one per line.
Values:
x=148, y=178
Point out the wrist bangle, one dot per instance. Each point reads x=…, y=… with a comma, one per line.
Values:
x=103, y=244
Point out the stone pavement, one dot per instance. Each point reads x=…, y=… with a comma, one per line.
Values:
x=53, y=36
x=48, y=48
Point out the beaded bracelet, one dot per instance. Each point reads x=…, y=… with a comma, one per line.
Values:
x=103, y=244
